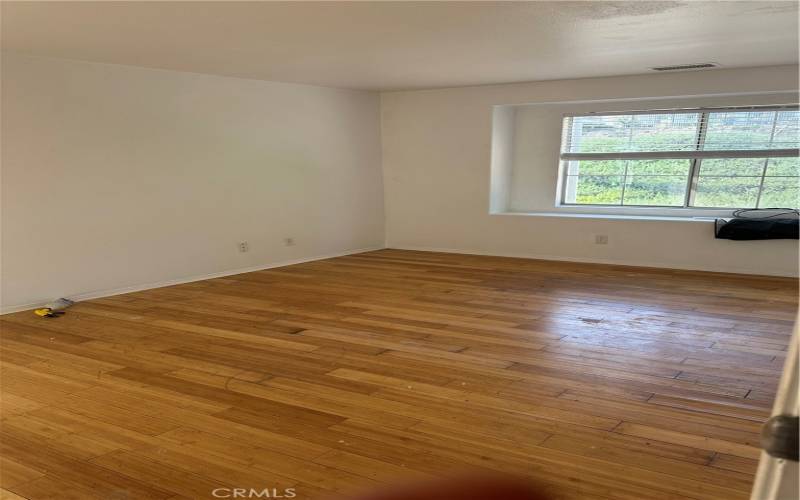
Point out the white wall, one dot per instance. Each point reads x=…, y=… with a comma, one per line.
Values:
x=437, y=156
x=502, y=164
x=119, y=177
x=116, y=176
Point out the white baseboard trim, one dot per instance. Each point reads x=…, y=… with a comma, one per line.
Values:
x=615, y=262
x=149, y=286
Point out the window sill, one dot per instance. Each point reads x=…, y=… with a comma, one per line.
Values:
x=573, y=215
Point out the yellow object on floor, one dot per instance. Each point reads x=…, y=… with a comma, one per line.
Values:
x=46, y=312
x=53, y=309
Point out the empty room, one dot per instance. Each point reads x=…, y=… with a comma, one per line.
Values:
x=384, y=250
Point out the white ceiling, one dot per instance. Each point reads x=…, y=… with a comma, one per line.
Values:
x=402, y=45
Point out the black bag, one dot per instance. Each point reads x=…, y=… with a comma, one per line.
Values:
x=782, y=225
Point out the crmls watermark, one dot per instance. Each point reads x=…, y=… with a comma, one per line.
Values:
x=254, y=493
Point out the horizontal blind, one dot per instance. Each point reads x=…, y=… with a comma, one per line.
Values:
x=662, y=155
x=752, y=132
x=779, y=107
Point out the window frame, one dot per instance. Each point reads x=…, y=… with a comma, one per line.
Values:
x=696, y=156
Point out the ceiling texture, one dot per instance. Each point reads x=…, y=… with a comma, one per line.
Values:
x=407, y=45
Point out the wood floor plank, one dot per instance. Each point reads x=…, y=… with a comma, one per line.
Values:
x=593, y=381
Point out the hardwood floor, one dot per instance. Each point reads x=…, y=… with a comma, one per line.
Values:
x=594, y=381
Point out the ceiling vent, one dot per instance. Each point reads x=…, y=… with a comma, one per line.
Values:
x=684, y=67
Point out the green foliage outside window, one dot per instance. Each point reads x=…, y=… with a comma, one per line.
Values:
x=720, y=183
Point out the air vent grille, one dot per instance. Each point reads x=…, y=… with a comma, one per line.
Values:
x=684, y=67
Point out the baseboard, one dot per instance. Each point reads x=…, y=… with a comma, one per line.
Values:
x=615, y=262
x=149, y=286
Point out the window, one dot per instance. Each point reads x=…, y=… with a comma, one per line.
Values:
x=694, y=158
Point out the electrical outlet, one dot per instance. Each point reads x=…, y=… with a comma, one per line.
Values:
x=601, y=239
x=289, y=242
x=244, y=247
